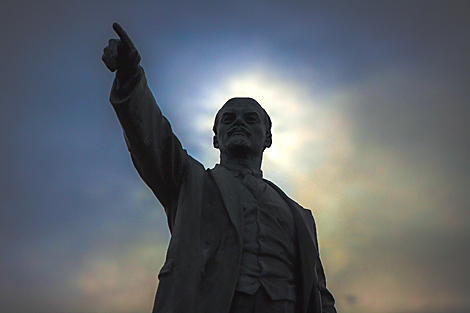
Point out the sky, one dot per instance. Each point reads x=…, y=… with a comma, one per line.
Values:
x=370, y=106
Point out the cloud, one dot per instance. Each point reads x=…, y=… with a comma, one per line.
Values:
x=385, y=206
x=105, y=262
x=389, y=214
x=367, y=158
x=369, y=103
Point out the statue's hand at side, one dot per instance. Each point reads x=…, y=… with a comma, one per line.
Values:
x=120, y=55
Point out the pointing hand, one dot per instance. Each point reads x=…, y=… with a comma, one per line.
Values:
x=121, y=55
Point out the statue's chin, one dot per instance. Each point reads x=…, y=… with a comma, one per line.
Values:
x=239, y=148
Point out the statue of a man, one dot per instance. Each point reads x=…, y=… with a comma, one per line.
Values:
x=238, y=243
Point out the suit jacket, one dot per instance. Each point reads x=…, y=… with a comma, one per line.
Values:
x=204, y=215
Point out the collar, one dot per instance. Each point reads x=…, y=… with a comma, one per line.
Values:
x=236, y=169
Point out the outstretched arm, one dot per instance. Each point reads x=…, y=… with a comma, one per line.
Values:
x=155, y=150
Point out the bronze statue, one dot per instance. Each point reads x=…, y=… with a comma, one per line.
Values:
x=238, y=243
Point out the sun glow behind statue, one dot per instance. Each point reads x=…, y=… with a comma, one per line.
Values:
x=301, y=121
x=374, y=92
x=318, y=157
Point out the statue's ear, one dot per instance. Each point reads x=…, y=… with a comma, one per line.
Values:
x=215, y=142
x=269, y=141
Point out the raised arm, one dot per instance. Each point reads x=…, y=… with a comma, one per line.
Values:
x=155, y=150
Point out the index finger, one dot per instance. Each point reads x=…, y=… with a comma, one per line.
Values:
x=122, y=34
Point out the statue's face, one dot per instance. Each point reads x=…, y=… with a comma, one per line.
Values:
x=241, y=130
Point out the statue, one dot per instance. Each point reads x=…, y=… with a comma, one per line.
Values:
x=238, y=243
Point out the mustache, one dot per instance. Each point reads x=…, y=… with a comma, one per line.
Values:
x=238, y=129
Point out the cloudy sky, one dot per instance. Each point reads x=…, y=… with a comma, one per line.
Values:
x=370, y=109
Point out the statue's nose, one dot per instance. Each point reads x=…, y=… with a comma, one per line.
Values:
x=239, y=120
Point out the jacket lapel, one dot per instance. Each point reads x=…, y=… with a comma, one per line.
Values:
x=229, y=189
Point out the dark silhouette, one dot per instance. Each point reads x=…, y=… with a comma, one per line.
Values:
x=238, y=243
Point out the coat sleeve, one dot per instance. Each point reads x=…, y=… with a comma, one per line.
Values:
x=155, y=150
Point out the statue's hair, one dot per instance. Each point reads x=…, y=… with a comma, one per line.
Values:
x=266, y=118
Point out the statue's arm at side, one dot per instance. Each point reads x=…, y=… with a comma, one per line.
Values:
x=327, y=299
x=155, y=150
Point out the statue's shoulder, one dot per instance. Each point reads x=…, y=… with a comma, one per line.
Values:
x=305, y=213
x=219, y=169
x=283, y=194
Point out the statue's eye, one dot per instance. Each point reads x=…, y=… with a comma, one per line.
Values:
x=227, y=119
x=252, y=118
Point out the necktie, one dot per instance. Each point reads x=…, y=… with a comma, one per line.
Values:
x=251, y=183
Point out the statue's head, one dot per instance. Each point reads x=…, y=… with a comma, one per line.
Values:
x=242, y=127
